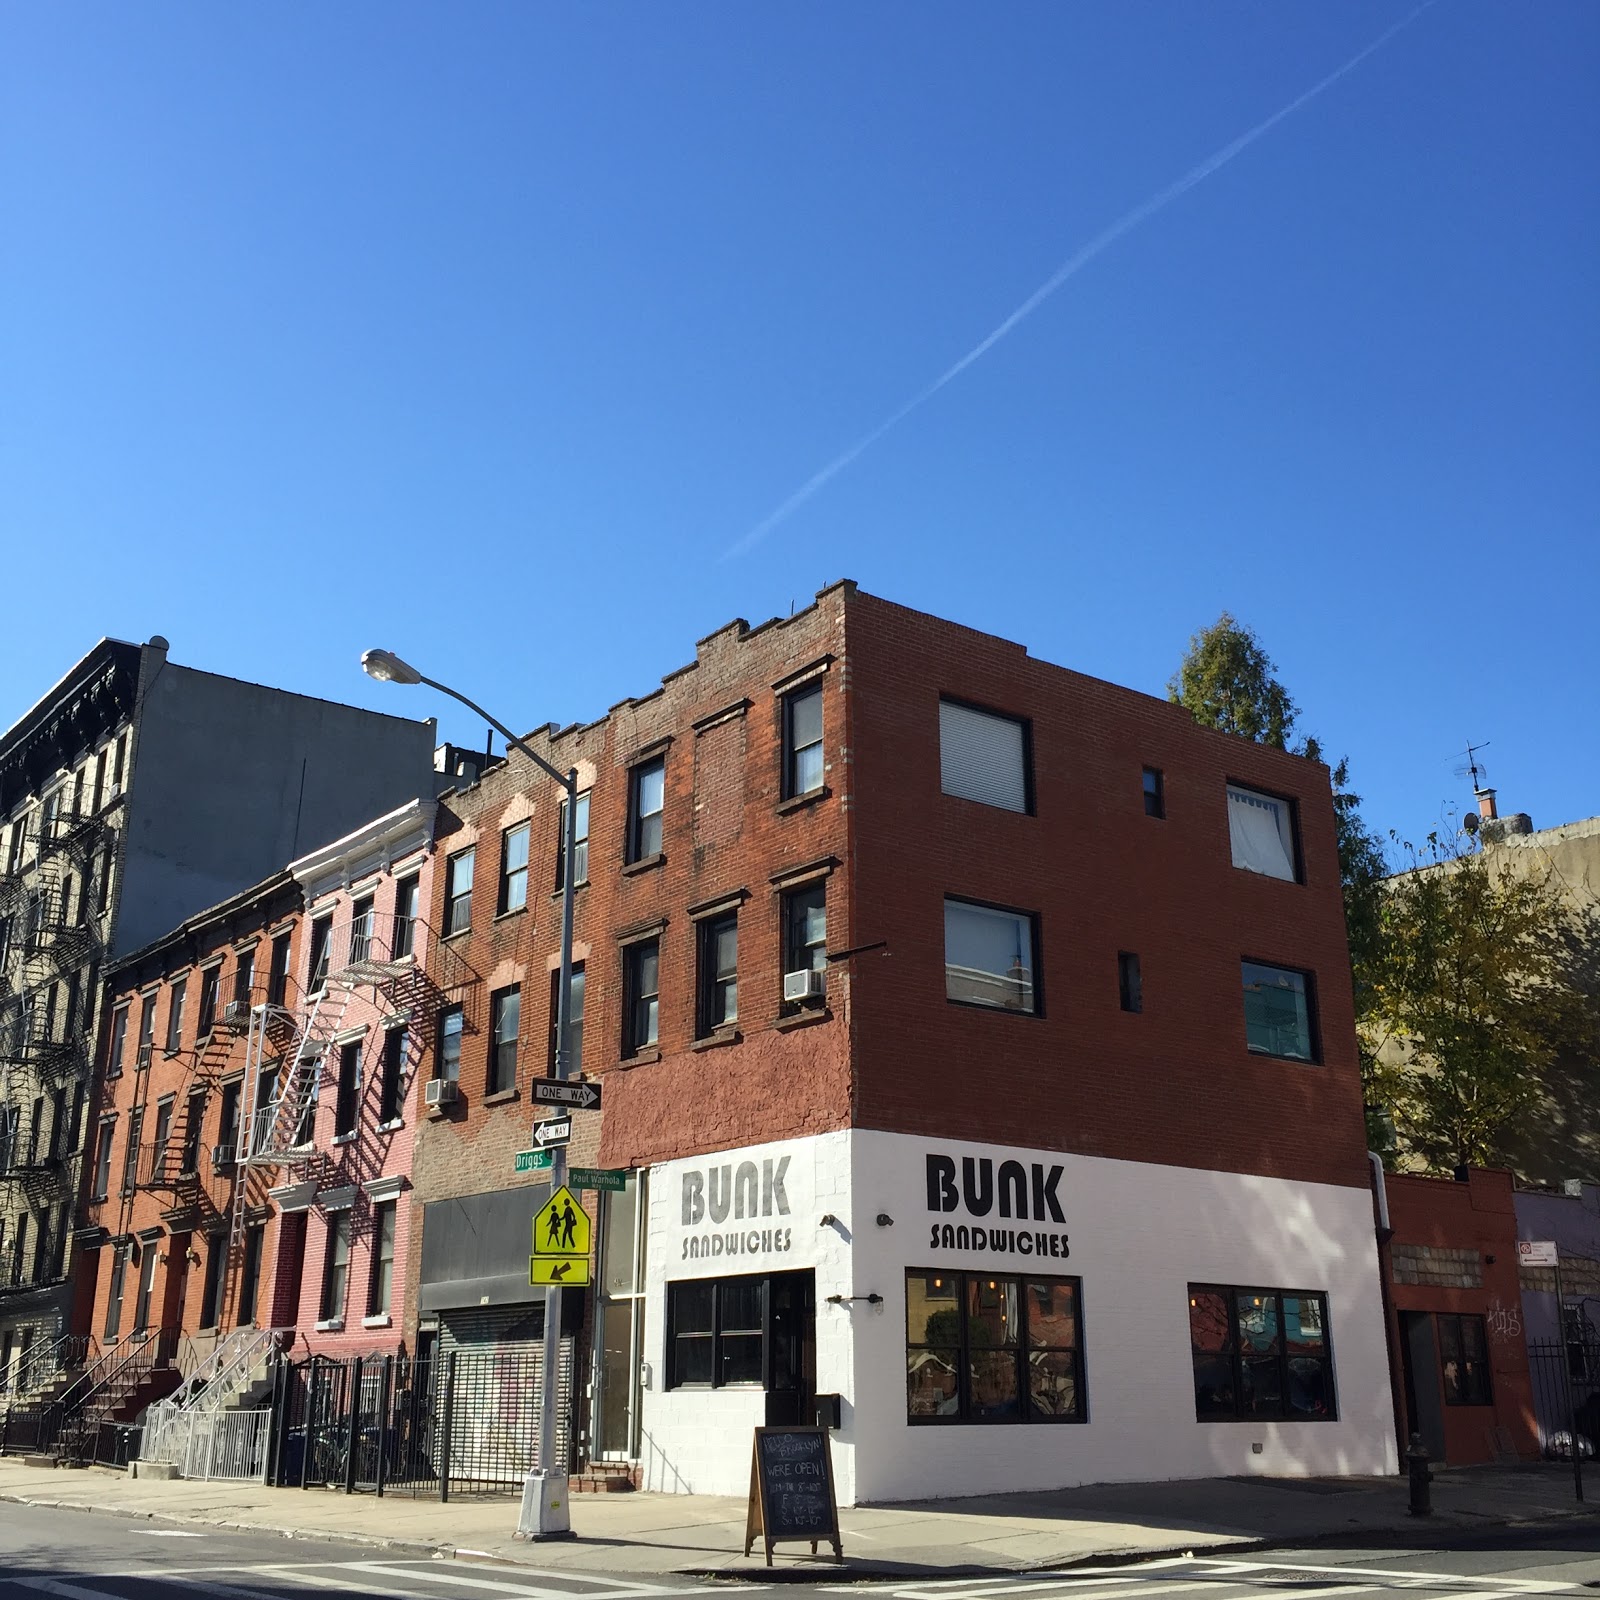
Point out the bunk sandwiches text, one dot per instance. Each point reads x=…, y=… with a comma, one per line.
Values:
x=747, y=1194
x=1010, y=1192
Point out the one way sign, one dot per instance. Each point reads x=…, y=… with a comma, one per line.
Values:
x=556, y=1131
x=557, y=1092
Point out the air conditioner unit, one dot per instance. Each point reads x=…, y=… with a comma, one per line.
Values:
x=441, y=1092
x=806, y=985
x=236, y=1015
x=223, y=1156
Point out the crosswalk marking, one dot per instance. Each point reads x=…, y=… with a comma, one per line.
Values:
x=378, y=1578
x=1223, y=1578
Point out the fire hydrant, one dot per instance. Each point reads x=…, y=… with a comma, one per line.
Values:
x=1419, y=1478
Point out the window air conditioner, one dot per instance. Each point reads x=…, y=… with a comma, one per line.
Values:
x=440, y=1092
x=223, y=1156
x=806, y=985
x=236, y=1015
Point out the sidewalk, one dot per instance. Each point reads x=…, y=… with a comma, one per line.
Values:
x=660, y=1535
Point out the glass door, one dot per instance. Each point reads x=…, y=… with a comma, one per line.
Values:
x=619, y=1340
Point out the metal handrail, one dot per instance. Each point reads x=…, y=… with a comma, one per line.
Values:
x=206, y=1392
x=66, y=1351
x=239, y=1351
x=109, y=1369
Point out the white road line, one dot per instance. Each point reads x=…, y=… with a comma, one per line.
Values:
x=67, y=1591
x=326, y=1579
x=1455, y=1580
x=433, y=1575
x=168, y=1533
x=1139, y=1586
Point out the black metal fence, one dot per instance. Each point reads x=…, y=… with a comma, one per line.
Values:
x=458, y=1422
x=1566, y=1396
x=51, y=1428
x=28, y=1429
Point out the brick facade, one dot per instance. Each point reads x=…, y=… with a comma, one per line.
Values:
x=1173, y=1084
x=726, y=837
x=882, y=1049
x=176, y=1197
x=1453, y=1255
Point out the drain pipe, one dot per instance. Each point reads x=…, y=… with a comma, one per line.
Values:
x=1380, y=1189
x=1391, y=1325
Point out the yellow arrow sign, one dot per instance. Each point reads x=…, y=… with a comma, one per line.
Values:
x=566, y=1272
x=561, y=1227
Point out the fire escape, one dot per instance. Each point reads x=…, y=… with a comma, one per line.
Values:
x=289, y=1045
x=50, y=938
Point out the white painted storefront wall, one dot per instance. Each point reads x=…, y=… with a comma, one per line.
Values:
x=1136, y=1235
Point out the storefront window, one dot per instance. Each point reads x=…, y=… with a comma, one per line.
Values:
x=1260, y=1353
x=720, y=1331
x=992, y=1348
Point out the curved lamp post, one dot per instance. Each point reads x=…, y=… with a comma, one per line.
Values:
x=545, y=1510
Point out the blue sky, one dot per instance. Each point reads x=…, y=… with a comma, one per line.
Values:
x=488, y=332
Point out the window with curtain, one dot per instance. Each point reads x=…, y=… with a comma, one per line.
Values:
x=1261, y=832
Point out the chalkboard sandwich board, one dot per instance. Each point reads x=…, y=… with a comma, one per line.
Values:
x=791, y=1490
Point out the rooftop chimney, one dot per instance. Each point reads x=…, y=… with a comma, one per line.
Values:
x=1486, y=804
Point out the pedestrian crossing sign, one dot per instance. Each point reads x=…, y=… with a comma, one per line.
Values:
x=562, y=1227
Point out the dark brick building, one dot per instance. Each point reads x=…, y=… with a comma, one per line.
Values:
x=978, y=1038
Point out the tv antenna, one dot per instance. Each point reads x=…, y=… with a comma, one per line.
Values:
x=1473, y=768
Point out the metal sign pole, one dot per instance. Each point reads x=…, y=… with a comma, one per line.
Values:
x=1566, y=1378
x=546, y=1513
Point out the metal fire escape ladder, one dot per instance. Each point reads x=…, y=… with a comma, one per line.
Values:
x=270, y=1134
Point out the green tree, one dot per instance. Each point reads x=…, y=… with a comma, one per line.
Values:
x=1468, y=1001
x=1228, y=681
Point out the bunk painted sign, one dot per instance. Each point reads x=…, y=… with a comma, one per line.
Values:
x=736, y=1208
x=997, y=1196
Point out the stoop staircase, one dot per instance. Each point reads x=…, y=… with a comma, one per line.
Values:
x=215, y=1424
x=115, y=1388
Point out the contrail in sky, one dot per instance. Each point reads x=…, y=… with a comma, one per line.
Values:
x=1068, y=269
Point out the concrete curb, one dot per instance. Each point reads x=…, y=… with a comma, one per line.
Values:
x=821, y=1570
x=303, y=1535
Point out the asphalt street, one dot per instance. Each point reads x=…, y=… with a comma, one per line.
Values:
x=76, y=1555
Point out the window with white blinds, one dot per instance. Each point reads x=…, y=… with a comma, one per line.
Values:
x=983, y=757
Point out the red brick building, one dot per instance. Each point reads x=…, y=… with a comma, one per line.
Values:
x=1456, y=1297
x=180, y=1235
x=257, y=1103
x=978, y=1038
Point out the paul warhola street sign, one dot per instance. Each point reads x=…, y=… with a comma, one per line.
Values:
x=558, y=1092
x=598, y=1178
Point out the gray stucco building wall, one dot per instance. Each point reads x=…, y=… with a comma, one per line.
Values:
x=231, y=780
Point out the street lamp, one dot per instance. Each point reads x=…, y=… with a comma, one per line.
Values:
x=545, y=1510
